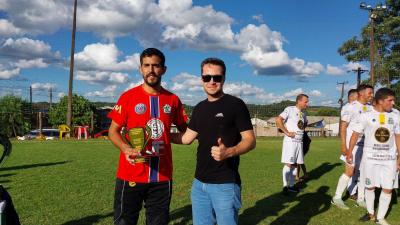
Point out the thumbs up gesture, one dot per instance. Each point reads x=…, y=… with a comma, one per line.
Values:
x=219, y=152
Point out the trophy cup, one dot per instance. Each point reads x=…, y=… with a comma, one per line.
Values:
x=138, y=139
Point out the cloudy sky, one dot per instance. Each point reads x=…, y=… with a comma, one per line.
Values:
x=273, y=50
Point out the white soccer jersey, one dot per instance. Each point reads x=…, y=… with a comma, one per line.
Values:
x=350, y=114
x=379, y=130
x=295, y=121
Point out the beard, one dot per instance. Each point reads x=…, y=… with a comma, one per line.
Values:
x=155, y=82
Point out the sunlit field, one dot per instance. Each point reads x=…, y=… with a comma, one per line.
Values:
x=72, y=182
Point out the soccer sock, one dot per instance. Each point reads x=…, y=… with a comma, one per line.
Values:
x=285, y=175
x=361, y=188
x=293, y=173
x=352, y=184
x=341, y=186
x=370, y=200
x=384, y=201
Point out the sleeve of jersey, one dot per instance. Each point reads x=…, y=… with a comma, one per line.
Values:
x=243, y=120
x=119, y=113
x=397, y=127
x=193, y=120
x=360, y=124
x=180, y=117
x=285, y=113
x=345, y=113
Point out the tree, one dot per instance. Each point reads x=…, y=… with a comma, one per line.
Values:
x=12, y=120
x=387, y=44
x=81, y=111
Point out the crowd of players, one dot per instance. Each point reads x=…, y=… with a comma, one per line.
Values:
x=370, y=134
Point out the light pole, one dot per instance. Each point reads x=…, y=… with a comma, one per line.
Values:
x=372, y=16
x=71, y=69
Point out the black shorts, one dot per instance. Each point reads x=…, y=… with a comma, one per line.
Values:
x=129, y=197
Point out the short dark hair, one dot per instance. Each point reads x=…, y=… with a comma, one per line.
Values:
x=300, y=96
x=351, y=91
x=383, y=93
x=214, y=61
x=363, y=87
x=148, y=52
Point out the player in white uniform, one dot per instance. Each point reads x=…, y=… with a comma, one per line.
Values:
x=352, y=95
x=292, y=121
x=365, y=95
x=382, y=134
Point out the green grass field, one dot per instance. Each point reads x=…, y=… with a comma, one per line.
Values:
x=72, y=183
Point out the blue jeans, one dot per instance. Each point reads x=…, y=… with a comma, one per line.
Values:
x=215, y=203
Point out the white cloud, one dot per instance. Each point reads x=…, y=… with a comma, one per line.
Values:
x=334, y=70
x=102, y=77
x=33, y=63
x=315, y=93
x=7, y=74
x=25, y=48
x=258, y=18
x=7, y=29
x=186, y=81
x=43, y=86
x=61, y=94
x=108, y=91
x=343, y=69
x=165, y=23
x=105, y=57
x=293, y=93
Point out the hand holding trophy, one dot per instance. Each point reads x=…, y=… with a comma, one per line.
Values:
x=138, y=139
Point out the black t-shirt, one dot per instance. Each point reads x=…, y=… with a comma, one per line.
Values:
x=225, y=119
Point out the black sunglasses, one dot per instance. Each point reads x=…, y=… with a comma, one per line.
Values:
x=216, y=78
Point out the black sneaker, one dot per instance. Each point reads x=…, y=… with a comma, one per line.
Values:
x=367, y=217
x=293, y=189
x=285, y=191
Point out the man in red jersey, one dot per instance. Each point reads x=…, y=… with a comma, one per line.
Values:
x=150, y=181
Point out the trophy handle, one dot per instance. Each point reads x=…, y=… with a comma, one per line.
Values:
x=149, y=134
x=123, y=136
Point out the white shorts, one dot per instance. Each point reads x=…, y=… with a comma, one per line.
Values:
x=357, y=157
x=378, y=175
x=292, y=152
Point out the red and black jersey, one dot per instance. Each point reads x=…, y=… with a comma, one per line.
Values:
x=137, y=108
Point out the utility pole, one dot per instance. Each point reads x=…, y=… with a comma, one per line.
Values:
x=359, y=72
x=71, y=70
x=373, y=14
x=340, y=101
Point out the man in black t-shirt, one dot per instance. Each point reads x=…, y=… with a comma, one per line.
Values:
x=223, y=127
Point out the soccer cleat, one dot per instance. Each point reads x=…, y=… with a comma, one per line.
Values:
x=353, y=197
x=361, y=203
x=382, y=222
x=293, y=189
x=339, y=203
x=367, y=217
x=285, y=191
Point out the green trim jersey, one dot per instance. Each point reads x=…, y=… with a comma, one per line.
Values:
x=379, y=130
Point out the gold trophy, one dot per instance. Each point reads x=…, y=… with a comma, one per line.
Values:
x=138, y=139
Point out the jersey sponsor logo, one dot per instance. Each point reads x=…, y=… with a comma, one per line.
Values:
x=118, y=108
x=140, y=108
x=367, y=181
x=300, y=124
x=157, y=128
x=219, y=115
x=167, y=109
x=390, y=120
x=382, y=134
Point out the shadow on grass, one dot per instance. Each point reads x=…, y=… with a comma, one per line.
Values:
x=182, y=216
x=316, y=173
x=308, y=205
x=22, y=167
x=273, y=204
x=88, y=220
